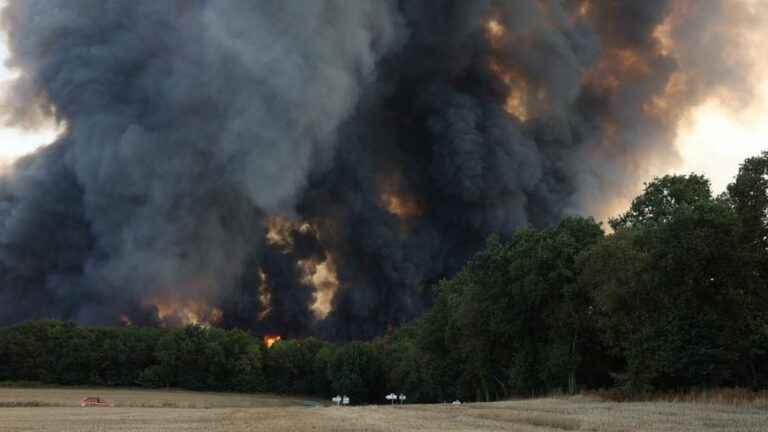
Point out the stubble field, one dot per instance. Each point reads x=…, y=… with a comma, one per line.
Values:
x=147, y=410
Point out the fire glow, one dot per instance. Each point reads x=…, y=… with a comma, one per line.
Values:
x=397, y=200
x=279, y=229
x=183, y=312
x=316, y=273
x=270, y=340
x=401, y=206
x=516, y=102
x=265, y=297
x=495, y=31
x=321, y=276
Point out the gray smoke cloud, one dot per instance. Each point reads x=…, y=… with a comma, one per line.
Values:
x=387, y=137
x=184, y=122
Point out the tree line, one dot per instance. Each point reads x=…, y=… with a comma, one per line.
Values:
x=673, y=298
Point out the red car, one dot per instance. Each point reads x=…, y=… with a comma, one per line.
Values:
x=95, y=402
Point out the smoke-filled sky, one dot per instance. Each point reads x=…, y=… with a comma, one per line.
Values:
x=17, y=141
x=301, y=167
x=711, y=139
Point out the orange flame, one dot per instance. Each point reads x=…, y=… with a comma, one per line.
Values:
x=322, y=276
x=584, y=8
x=279, y=229
x=495, y=31
x=318, y=274
x=401, y=206
x=265, y=297
x=175, y=311
x=516, y=103
x=395, y=199
x=270, y=340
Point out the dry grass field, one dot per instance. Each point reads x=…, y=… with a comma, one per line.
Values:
x=146, y=410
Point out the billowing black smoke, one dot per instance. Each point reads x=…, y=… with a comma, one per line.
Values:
x=314, y=166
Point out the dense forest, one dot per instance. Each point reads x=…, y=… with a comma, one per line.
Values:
x=673, y=298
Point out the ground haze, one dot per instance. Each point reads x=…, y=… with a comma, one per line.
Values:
x=166, y=410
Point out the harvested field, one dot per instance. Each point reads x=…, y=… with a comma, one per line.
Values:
x=142, y=398
x=146, y=410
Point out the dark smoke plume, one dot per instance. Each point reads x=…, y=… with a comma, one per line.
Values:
x=305, y=167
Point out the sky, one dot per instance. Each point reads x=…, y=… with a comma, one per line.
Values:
x=15, y=142
x=712, y=140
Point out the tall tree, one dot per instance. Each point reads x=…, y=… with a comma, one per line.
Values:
x=661, y=198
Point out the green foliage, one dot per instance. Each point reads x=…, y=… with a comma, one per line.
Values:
x=355, y=370
x=671, y=289
x=749, y=197
x=292, y=364
x=409, y=369
x=520, y=313
x=193, y=357
x=661, y=198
